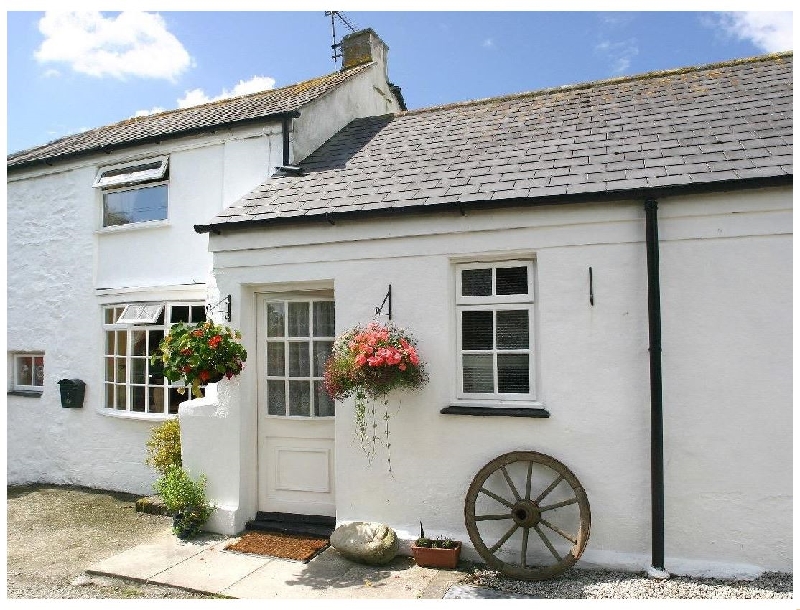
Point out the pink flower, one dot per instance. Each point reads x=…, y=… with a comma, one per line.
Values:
x=361, y=360
x=402, y=366
x=375, y=361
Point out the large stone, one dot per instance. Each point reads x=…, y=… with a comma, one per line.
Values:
x=370, y=543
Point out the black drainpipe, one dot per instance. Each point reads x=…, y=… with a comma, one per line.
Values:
x=287, y=121
x=656, y=411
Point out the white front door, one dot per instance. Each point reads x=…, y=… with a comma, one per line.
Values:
x=295, y=415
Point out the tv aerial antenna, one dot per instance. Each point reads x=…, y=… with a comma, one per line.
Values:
x=338, y=15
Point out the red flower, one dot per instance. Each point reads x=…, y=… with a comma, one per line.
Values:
x=361, y=360
x=186, y=351
x=214, y=341
x=205, y=375
x=197, y=332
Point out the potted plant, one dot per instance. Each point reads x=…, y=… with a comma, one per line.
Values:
x=184, y=499
x=200, y=354
x=367, y=362
x=437, y=552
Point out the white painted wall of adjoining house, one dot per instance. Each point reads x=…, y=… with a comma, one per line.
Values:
x=592, y=364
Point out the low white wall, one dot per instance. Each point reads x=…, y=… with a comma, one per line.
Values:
x=726, y=282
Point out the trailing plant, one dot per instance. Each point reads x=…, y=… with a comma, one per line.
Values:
x=184, y=499
x=367, y=362
x=164, y=446
x=200, y=354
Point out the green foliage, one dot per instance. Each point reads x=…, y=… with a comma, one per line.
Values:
x=200, y=354
x=185, y=499
x=164, y=446
x=440, y=542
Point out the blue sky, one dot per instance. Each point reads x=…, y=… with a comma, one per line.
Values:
x=71, y=72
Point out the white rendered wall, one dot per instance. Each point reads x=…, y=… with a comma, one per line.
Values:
x=726, y=298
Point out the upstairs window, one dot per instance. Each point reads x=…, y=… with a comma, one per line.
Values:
x=494, y=305
x=134, y=193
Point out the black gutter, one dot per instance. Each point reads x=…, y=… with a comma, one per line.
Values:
x=330, y=216
x=656, y=406
x=156, y=139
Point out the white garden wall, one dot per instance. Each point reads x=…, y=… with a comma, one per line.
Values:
x=726, y=302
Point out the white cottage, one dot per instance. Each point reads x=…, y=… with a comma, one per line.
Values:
x=600, y=273
x=103, y=220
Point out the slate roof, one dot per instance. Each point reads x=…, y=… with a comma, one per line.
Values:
x=710, y=125
x=176, y=123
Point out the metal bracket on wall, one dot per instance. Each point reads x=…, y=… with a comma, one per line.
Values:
x=223, y=306
x=386, y=300
x=591, y=288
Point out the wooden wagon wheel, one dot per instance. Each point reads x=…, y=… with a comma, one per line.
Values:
x=546, y=498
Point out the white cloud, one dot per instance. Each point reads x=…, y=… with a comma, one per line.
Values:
x=488, y=43
x=619, y=54
x=129, y=44
x=153, y=110
x=769, y=31
x=196, y=97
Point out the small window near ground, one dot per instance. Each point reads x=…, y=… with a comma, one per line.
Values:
x=28, y=373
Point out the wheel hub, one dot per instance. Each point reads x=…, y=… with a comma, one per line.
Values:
x=526, y=514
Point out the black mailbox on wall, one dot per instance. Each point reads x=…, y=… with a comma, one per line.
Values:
x=72, y=391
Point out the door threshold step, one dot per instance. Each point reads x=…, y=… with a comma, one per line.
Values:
x=290, y=527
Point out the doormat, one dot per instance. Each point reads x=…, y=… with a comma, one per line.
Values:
x=284, y=546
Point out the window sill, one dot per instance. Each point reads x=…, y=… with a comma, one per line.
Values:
x=135, y=416
x=133, y=226
x=538, y=412
x=26, y=393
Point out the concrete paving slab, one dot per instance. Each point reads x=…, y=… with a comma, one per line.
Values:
x=472, y=592
x=211, y=571
x=143, y=562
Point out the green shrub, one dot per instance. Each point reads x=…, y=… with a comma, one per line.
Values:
x=164, y=446
x=185, y=500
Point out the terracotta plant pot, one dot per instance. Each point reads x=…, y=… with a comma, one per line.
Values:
x=436, y=558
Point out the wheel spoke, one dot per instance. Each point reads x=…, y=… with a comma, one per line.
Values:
x=528, y=482
x=550, y=488
x=492, y=517
x=502, y=540
x=558, y=504
x=524, y=554
x=547, y=542
x=510, y=483
x=496, y=497
x=558, y=531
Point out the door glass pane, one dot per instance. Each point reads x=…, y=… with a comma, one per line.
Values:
x=476, y=282
x=156, y=400
x=298, y=320
x=24, y=371
x=276, y=359
x=512, y=374
x=512, y=280
x=299, y=359
x=138, y=370
x=324, y=319
x=322, y=349
x=476, y=330
x=300, y=398
x=139, y=343
x=512, y=329
x=478, y=373
x=276, y=398
x=137, y=398
x=323, y=404
x=276, y=313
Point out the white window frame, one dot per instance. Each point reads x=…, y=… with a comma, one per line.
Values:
x=129, y=327
x=494, y=303
x=17, y=387
x=120, y=182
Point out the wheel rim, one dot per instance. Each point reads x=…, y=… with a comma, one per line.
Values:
x=527, y=515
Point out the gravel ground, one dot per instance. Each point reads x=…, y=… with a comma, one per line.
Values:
x=55, y=533
x=602, y=584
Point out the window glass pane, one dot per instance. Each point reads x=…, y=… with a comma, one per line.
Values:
x=298, y=319
x=180, y=313
x=323, y=404
x=155, y=338
x=198, y=313
x=276, y=398
x=478, y=373
x=512, y=280
x=300, y=398
x=512, y=374
x=140, y=313
x=109, y=396
x=38, y=370
x=476, y=282
x=324, y=319
x=156, y=400
x=120, y=397
x=322, y=349
x=138, y=370
x=110, y=343
x=122, y=342
x=299, y=359
x=120, y=370
x=477, y=330
x=175, y=399
x=275, y=319
x=512, y=329
x=24, y=371
x=137, y=398
x=108, y=315
x=276, y=359
x=109, y=369
x=139, y=343
x=136, y=205
x=156, y=375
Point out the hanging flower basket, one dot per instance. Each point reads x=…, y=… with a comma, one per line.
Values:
x=200, y=354
x=368, y=362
